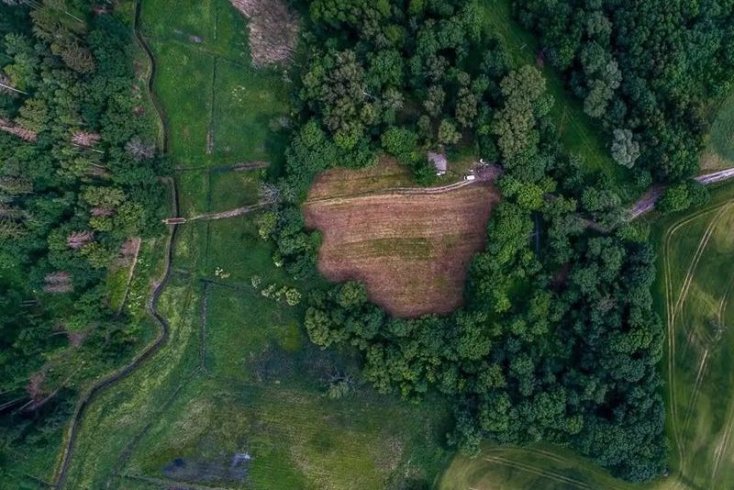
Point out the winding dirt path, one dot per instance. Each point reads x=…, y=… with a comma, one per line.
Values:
x=69, y=444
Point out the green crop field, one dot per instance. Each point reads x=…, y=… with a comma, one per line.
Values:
x=237, y=396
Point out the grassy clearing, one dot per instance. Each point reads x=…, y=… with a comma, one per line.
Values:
x=224, y=108
x=577, y=130
x=257, y=101
x=231, y=190
x=264, y=395
x=719, y=152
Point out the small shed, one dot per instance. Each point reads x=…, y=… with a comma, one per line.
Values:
x=439, y=161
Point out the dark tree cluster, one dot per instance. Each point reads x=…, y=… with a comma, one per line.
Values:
x=647, y=69
x=75, y=185
x=557, y=339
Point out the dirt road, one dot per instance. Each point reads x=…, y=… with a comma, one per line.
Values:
x=647, y=202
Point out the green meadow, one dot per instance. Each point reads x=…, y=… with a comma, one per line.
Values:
x=237, y=398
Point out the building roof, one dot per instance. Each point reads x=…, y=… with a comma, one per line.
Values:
x=438, y=160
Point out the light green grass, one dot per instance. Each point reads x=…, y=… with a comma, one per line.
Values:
x=231, y=190
x=719, y=152
x=701, y=407
x=578, y=132
x=247, y=103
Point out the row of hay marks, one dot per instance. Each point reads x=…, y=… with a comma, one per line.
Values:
x=411, y=251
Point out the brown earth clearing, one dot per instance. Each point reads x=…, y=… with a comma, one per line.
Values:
x=411, y=249
x=273, y=30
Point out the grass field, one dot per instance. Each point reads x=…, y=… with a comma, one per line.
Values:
x=224, y=107
x=579, y=133
x=698, y=267
x=719, y=151
x=236, y=398
x=412, y=251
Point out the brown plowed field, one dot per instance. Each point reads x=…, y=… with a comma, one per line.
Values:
x=411, y=250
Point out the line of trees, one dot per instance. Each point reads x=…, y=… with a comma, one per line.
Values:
x=557, y=344
x=78, y=179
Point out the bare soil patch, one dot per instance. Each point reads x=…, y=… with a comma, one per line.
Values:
x=273, y=30
x=411, y=250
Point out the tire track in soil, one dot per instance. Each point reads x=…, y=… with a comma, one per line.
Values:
x=72, y=433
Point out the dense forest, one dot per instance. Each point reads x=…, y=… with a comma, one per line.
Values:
x=78, y=180
x=557, y=344
x=648, y=70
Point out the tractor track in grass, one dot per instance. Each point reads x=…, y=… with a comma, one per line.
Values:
x=72, y=432
x=672, y=308
x=724, y=444
x=550, y=475
x=702, y=365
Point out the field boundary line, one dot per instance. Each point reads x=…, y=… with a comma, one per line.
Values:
x=130, y=274
x=724, y=444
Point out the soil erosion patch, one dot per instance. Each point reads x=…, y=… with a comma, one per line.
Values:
x=411, y=249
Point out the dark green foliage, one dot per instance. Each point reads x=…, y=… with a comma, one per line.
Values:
x=557, y=340
x=71, y=193
x=682, y=196
x=646, y=68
